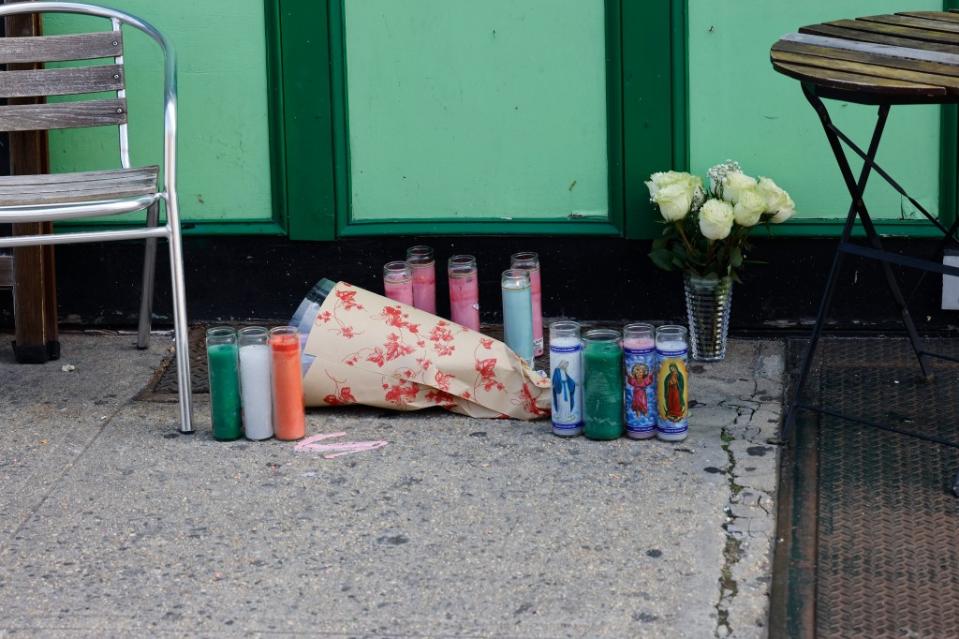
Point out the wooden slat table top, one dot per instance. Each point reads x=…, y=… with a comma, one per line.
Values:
x=911, y=57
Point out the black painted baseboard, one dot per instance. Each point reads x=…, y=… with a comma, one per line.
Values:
x=244, y=278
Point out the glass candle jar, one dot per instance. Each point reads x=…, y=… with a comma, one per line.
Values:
x=289, y=416
x=423, y=265
x=221, y=357
x=256, y=386
x=518, y=313
x=529, y=261
x=566, y=373
x=464, y=291
x=672, y=387
x=603, y=384
x=639, y=358
x=398, y=282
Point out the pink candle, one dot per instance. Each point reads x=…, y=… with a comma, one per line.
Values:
x=464, y=291
x=398, y=282
x=420, y=259
x=529, y=261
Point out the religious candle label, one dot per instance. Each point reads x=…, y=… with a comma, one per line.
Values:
x=566, y=364
x=671, y=392
x=640, y=386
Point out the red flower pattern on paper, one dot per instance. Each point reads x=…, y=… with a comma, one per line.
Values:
x=442, y=380
x=377, y=357
x=348, y=298
x=529, y=403
x=401, y=393
x=440, y=398
x=396, y=348
x=486, y=343
x=342, y=398
x=347, y=332
x=324, y=317
x=487, y=374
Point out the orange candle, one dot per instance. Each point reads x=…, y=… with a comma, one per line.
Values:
x=289, y=418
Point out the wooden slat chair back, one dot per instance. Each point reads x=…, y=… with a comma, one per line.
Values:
x=25, y=84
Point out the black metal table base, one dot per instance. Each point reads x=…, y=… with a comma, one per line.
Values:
x=873, y=250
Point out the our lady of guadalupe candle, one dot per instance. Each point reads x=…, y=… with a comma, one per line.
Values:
x=566, y=373
x=672, y=387
x=639, y=349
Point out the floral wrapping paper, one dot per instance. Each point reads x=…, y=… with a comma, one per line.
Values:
x=375, y=351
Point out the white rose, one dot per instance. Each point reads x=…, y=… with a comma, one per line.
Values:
x=750, y=208
x=784, y=213
x=674, y=193
x=734, y=184
x=777, y=200
x=716, y=219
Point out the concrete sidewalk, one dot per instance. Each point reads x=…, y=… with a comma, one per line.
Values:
x=113, y=525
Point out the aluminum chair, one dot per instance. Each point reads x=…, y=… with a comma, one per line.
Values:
x=69, y=196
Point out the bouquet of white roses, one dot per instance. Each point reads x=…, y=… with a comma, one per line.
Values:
x=707, y=231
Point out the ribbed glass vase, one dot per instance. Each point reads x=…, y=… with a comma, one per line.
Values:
x=708, y=304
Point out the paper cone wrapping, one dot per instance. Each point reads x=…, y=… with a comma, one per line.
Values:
x=375, y=351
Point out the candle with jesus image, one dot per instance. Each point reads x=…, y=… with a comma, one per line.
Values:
x=566, y=374
x=639, y=350
x=672, y=388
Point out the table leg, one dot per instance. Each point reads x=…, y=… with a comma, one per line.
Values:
x=826, y=302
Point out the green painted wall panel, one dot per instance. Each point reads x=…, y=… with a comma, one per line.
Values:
x=224, y=153
x=476, y=110
x=741, y=108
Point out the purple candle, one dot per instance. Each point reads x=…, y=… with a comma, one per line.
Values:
x=420, y=260
x=464, y=291
x=398, y=282
x=529, y=261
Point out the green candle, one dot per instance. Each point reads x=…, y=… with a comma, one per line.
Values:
x=221, y=351
x=603, y=385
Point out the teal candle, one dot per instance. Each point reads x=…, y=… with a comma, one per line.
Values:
x=518, y=313
x=221, y=352
x=603, y=385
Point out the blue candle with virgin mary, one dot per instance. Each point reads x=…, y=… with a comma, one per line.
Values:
x=566, y=375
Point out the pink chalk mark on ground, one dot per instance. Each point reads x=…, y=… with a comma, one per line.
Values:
x=338, y=449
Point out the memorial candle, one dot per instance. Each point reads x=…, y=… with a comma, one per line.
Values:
x=566, y=373
x=518, y=313
x=289, y=418
x=398, y=282
x=640, y=381
x=256, y=384
x=464, y=291
x=221, y=353
x=529, y=261
x=603, y=382
x=420, y=259
x=672, y=384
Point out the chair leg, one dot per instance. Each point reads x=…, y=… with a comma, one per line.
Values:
x=149, y=274
x=180, y=325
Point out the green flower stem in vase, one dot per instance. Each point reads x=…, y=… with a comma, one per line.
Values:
x=603, y=385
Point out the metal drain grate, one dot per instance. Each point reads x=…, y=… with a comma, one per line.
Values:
x=887, y=532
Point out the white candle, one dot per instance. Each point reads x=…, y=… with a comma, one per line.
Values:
x=256, y=390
